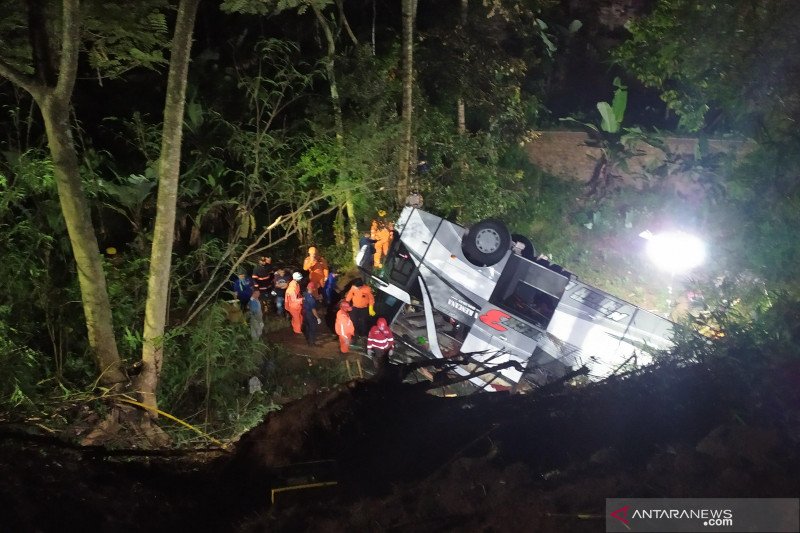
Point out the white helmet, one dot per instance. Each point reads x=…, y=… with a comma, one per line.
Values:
x=297, y=276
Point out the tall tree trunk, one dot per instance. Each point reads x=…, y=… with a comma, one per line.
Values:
x=404, y=176
x=330, y=71
x=51, y=87
x=164, y=231
x=78, y=219
x=460, y=106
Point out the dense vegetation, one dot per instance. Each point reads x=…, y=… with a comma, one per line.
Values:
x=293, y=122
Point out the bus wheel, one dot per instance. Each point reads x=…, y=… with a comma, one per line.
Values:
x=486, y=242
x=529, y=252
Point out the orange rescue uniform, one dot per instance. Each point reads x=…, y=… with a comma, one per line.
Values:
x=360, y=297
x=382, y=234
x=294, y=304
x=317, y=269
x=344, y=329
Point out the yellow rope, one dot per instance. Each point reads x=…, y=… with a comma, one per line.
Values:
x=127, y=399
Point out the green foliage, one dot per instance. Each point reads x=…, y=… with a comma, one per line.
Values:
x=728, y=55
x=465, y=179
x=739, y=322
x=613, y=114
x=119, y=37
x=757, y=215
x=207, y=366
x=547, y=212
x=271, y=7
x=116, y=36
x=20, y=367
x=127, y=290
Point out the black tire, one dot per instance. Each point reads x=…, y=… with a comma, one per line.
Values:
x=486, y=242
x=529, y=252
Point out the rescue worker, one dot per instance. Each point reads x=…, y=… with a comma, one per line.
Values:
x=380, y=343
x=382, y=234
x=414, y=199
x=366, y=244
x=281, y=281
x=317, y=267
x=344, y=327
x=256, y=315
x=311, y=319
x=262, y=278
x=329, y=289
x=363, y=301
x=243, y=287
x=294, y=302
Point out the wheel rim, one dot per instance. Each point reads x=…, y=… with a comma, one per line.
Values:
x=487, y=240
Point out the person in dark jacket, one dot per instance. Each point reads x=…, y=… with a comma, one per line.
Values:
x=366, y=244
x=243, y=287
x=311, y=319
x=262, y=279
x=279, y=284
x=329, y=290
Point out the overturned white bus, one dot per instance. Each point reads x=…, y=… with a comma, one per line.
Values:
x=481, y=293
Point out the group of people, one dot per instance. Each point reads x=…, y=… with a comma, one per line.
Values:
x=304, y=303
x=268, y=287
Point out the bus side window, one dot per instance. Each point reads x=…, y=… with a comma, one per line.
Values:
x=402, y=267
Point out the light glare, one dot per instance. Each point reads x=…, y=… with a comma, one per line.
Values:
x=676, y=252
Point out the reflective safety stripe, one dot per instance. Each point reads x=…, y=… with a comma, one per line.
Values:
x=381, y=344
x=380, y=340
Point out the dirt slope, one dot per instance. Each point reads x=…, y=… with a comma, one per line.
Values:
x=404, y=460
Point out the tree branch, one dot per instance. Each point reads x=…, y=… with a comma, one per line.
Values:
x=39, y=39
x=70, y=48
x=20, y=79
x=346, y=24
x=204, y=297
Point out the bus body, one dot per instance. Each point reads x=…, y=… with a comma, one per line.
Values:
x=517, y=309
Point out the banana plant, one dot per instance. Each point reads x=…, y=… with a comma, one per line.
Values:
x=616, y=143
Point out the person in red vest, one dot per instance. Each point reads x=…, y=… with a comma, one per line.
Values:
x=344, y=327
x=294, y=302
x=380, y=343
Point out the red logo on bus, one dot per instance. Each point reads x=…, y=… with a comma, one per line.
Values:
x=493, y=317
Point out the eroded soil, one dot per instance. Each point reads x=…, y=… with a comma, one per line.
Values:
x=404, y=460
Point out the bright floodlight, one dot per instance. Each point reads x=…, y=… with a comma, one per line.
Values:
x=676, y=252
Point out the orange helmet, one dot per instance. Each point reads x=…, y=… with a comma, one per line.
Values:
x=312, y=251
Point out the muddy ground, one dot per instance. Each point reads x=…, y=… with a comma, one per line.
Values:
x=405, y=460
